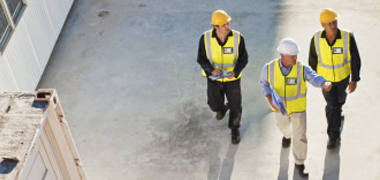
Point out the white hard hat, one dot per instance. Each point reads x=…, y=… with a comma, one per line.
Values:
x=288, y=46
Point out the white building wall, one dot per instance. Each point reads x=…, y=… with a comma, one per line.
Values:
x=31, y=44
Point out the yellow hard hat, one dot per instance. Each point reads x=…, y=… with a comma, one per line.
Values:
x=328, y=15
x=220, y=17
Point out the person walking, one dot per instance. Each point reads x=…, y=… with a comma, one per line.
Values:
x=222, y=56
x=334, y=55
x=286, y=77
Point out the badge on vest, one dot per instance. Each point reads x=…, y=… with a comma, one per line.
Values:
x=338, y=50
x=228, y=50
x=291, y=81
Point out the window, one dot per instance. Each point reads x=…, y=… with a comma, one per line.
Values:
x=10, y=11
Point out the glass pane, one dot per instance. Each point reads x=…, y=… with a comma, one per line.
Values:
x=14, y=7
x=3, y=24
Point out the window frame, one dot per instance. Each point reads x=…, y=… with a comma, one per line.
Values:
x=12, y=22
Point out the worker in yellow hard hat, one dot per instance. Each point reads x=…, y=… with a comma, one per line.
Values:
x=335, y=56
x=222, y=56
x=286, y=78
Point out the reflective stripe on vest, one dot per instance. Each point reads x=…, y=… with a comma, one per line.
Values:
x=334, y=62
x=294, y=96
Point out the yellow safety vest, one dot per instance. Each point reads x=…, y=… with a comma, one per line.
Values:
x=222, y=57
x=334, y=62
x=291, y=88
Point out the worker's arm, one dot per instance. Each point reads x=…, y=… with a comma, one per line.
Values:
x=313, y=57
x=270, y=101
x=355, y=64
x=202, y=58
x=318, y=81
x=312, y=77
x=265, y=86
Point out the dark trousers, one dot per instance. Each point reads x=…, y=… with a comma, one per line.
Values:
x=216, y=93
x=335, y=100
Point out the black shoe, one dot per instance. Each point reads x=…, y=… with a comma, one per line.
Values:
x=301, y=168
x=332, y=143
x=285, y=142
x=220, y=114
x=235, y=136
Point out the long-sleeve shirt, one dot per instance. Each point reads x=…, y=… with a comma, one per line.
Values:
x=309, y=75
x=355, y=57
x=205, y=63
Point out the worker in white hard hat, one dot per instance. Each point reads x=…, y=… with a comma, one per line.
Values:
x=335, y=56
x=222, y=56
x=287, y=77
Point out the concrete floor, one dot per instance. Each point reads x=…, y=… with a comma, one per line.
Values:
x=135, y=100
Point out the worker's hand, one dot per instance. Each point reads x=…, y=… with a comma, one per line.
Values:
x=326, y=86
x=269, y=98
x=232, y=75
x=351, y=87
x=217, y=72
x=273, y=106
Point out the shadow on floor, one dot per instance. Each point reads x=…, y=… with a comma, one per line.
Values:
x=224, y=170
x=284, y=164
x=332, y=164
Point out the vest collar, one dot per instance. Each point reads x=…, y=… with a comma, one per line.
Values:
x=338, y=36
x=214, y=33
x=217, y=38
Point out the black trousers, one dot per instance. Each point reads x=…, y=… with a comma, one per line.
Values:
x=335, y=100
x=216, y=93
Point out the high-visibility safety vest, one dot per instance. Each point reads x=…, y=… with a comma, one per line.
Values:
x=291, y=88
x=222, y=57
x=334, y=62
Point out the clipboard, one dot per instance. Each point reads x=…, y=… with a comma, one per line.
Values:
x=277, y=101
x=225, y=74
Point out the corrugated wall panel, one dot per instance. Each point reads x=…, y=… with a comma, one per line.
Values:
x=70, y=2
x=58, y=12
x=28, y=51
x=40, y=31
x=22, y=59
x=7, y=79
